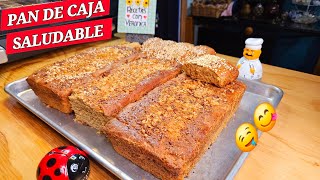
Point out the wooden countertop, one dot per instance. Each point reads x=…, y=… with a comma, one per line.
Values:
x=291, y=150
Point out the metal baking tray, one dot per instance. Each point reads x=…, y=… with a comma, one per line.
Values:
x=221, y=161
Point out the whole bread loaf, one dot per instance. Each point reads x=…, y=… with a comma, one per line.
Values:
x=168, y=130
x=101, y=99
x=54, y=83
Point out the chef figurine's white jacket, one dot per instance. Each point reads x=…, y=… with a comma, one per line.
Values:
x=249, y=65
x=250, y=69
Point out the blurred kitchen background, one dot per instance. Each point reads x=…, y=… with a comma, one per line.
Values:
x=290, y=28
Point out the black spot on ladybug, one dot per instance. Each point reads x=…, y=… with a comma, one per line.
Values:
x=57, y=172
x=38, y=171
x=46, y=177
x=62, y=147
x=51, y=162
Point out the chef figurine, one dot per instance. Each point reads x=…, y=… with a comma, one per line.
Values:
x=249, y=65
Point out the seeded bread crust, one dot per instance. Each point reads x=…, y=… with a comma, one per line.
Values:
x=170, y=50
x=211, y=69
x=101, y=99
x=54, y=83
x=168, y=130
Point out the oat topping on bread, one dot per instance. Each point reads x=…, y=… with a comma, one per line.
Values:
x=123, y=85
x=170, y=50
x=168, y=130
x=213, y=62
x=211, y=69
x=54, y=83
x=64, y=73
x=120, y=81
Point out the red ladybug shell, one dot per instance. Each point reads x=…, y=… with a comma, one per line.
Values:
x=68, y=150
x=54, y=166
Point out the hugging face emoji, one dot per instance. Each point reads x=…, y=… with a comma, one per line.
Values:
x=265, y=117
x=145, y=3
x=246, y=137
x=129, y=2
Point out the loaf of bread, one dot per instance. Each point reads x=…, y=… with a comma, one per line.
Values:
x=158, y=118
x=54, y=83
x=170, y=50
x=101, y=99
x=168, y=130
x=211, y=69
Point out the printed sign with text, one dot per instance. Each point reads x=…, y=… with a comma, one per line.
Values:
x=137, y=16
x=53, y=34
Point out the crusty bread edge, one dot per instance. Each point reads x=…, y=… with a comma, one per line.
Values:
x=142, y=88
x=59, y=99
x=163, y=171
x=48, y=96
x=216, y=132
x=211, y=76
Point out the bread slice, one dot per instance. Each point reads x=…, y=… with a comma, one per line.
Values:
x=170, y=50
x=101, y=99
x=54, y=83
x=211, y=69
x=168, y=130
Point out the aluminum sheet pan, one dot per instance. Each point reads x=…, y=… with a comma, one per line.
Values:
x=222, y=160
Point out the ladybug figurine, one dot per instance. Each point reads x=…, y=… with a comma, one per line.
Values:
x=64, y=163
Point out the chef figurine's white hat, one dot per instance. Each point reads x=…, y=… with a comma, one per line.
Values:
x=254, y=43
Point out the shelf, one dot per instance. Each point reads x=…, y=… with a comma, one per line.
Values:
x=311, y=29
x=301, y=4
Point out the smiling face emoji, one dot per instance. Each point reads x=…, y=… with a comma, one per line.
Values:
x=265, y=117
x=246, y=137
x=251, y=54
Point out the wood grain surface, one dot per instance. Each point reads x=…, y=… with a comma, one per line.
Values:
x=291, y=150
